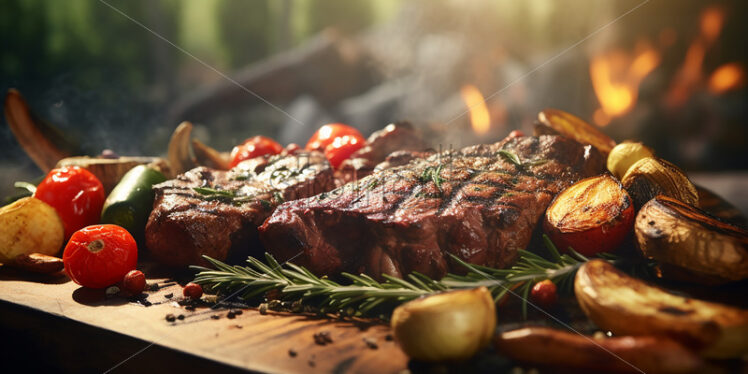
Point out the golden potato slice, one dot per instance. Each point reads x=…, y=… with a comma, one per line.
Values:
x=28, y=226
x=629, y=306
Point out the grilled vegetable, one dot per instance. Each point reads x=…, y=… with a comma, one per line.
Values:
x=205, y=155
x=179, y=153
x=628, y=306
x=653, y=176
x=626, y=154
x=111, y=170
x=694, y=246
x=131, y=201
x=593, y=215
x=38, y=263
x=573, y=127
x=627, y=354
x=28, y=226
x=450, y=326
x=44, y=143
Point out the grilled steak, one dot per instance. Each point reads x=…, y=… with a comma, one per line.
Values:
x=480, y=203
x=400, y=136
x=216, y=213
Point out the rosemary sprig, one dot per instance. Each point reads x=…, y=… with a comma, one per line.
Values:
x=511, y=157
x=367, y=296
x=514, y=159
x=432, y=173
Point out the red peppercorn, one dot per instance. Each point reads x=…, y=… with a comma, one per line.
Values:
x=193, y=290
x=544, y=294
x=134, y=282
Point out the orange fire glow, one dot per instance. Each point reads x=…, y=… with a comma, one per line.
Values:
x=727, y=77
x=690, y=75
x=616, y=77
x=479, y=118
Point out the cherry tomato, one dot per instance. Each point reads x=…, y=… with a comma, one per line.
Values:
x=342, y=148
x=192, y=290
x=544, y=293
x=327, y=134
x=76, y=194
x=254, y=147
x=134, y=282
x=100, y=255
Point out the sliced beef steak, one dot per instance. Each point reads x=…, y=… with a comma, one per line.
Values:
x=480, y=203
x=400, y=136
x=216, y=213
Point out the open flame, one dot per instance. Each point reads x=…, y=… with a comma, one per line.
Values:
x=727, y=77
x=476, y=104
x=616, y=77
x=690, y=75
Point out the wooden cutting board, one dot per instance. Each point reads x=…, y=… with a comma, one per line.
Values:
x=249, y=340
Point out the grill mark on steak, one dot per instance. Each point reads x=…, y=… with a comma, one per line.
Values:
x=480, y=207
x=185, y=224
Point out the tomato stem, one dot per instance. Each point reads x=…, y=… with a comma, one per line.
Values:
x=96, y=245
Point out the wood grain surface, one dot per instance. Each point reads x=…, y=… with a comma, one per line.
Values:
x=249, y=340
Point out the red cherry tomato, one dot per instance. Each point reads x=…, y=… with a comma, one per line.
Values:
x=134, y=282
x=544, y=293
x=76, y=194
x=100, y=255
x=192, y=290
x=254, y=147
x=327, y=134
x=342, y=148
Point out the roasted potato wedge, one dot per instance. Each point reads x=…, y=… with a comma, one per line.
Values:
x=628, y=306
x=28, y=226
x=684, y=237
x=652, y=176
x=625, y=354
x=593, y=215
x=573, y=127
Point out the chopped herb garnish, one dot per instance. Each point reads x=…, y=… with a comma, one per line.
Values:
x=511, y=157
x=278, y=197
x=432, y=173
x=214, y=192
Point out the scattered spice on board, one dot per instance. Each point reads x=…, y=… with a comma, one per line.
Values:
x=389, y=337
x=292, y=352
x=170, y=318
x=215, y=316
x=180, y=317
x=230, y=315
x=371, y=343
x=322, y=338
x=169, y=295
x=238, y=312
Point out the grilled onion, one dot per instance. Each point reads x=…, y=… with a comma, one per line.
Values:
x=652, y=176
x=626, y=154
x=693, y=246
